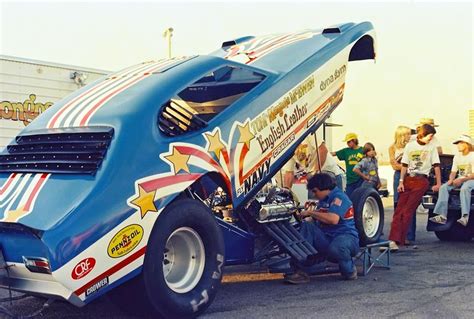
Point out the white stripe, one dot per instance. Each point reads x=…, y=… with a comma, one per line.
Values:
x=125, y=86
x=74, y=109
x=15, y=195
x=92, y=91
x=10, y=188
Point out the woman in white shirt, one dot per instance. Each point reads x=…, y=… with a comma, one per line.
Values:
x=463, y=165
x=418, y=158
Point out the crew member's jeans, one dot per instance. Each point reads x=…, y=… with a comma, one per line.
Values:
x=441, y=207
x=352, y=187
x=340, y=248
x=408, y=201
x=412, y=229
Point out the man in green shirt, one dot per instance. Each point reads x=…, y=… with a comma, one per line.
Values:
x=351, y=155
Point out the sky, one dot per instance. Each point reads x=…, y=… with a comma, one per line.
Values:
x=424, y=65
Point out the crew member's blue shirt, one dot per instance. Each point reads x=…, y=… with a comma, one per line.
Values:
x=337, y=202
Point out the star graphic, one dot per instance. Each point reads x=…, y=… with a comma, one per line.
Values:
x=179, y=161
x=245, y=135
x=145, y=201
x=215, y=144
x=14, y=215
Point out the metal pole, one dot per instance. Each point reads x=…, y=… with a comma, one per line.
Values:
x=168, y=34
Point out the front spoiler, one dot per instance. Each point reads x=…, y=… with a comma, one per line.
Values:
x=42, y=285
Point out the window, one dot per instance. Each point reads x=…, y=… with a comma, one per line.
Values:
x=197, y=104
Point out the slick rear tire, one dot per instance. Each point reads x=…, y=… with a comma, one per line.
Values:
x=368, y=214
x=183, y=264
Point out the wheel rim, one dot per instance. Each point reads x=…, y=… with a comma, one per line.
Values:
x=183, y=260
x=371, y=217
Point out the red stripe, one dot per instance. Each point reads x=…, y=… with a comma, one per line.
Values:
x=64, y=108
x=35, y=192
x=112, y=270
x=156, y=183
x=7, y=184
x=86, y=117
x=98, y=104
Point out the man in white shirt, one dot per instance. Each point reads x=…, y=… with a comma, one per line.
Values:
x=463, y=168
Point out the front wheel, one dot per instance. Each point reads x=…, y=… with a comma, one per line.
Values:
x=368, y=214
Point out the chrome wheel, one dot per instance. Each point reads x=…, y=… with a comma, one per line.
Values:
x=371, y=217
x=184, y=260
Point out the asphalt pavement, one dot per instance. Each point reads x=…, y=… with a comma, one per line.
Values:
x=433, y=281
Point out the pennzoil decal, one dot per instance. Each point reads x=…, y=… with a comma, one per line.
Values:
x=125, y=241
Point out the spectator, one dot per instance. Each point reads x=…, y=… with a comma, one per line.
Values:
x=395, y=151
x=331, y=229
x=302, y=162
x=434, y=141
x=329, y=165
x=463, y=164
x=418, y=159
x=351, y=155
x=368, y=168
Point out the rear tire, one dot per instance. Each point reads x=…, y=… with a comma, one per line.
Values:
x=183, y=264
x=368, y=214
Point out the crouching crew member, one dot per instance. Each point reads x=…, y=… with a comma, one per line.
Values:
x=330, y=228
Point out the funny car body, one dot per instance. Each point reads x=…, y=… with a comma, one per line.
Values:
x=143, y=183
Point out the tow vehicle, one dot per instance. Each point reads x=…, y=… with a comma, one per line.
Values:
x=144, y=183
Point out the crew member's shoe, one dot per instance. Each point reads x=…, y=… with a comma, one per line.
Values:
x=439, y=219
x=351, y=276
x=392, y=246
x=464, y=220
x=299, y=277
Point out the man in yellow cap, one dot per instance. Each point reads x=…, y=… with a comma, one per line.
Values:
x=351, y=155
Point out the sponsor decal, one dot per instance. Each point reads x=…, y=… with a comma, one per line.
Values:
x=125, y=241
x=255, y=177
x=97, y=286
x=83, y=268
x=333, y=77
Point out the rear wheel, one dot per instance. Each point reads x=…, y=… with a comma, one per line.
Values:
x=183, y=264
x=368, y=214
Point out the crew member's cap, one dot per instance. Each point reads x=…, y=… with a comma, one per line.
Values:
x=463, y=138
x=428, y=121
x=350, y=136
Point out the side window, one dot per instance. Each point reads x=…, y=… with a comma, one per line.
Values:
x=193, y=107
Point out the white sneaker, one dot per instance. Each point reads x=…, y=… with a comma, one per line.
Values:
x=463, y=220
x=439, y=219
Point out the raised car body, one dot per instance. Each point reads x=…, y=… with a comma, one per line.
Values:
x=84, y=184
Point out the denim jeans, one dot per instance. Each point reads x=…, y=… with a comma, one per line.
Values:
x=441, y=207
x=340, y=248
x=412, y=229
x=352, y=187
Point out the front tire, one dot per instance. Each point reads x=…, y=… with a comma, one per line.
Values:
x=368, y=214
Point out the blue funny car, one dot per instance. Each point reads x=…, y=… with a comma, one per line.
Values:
x=144, y=182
